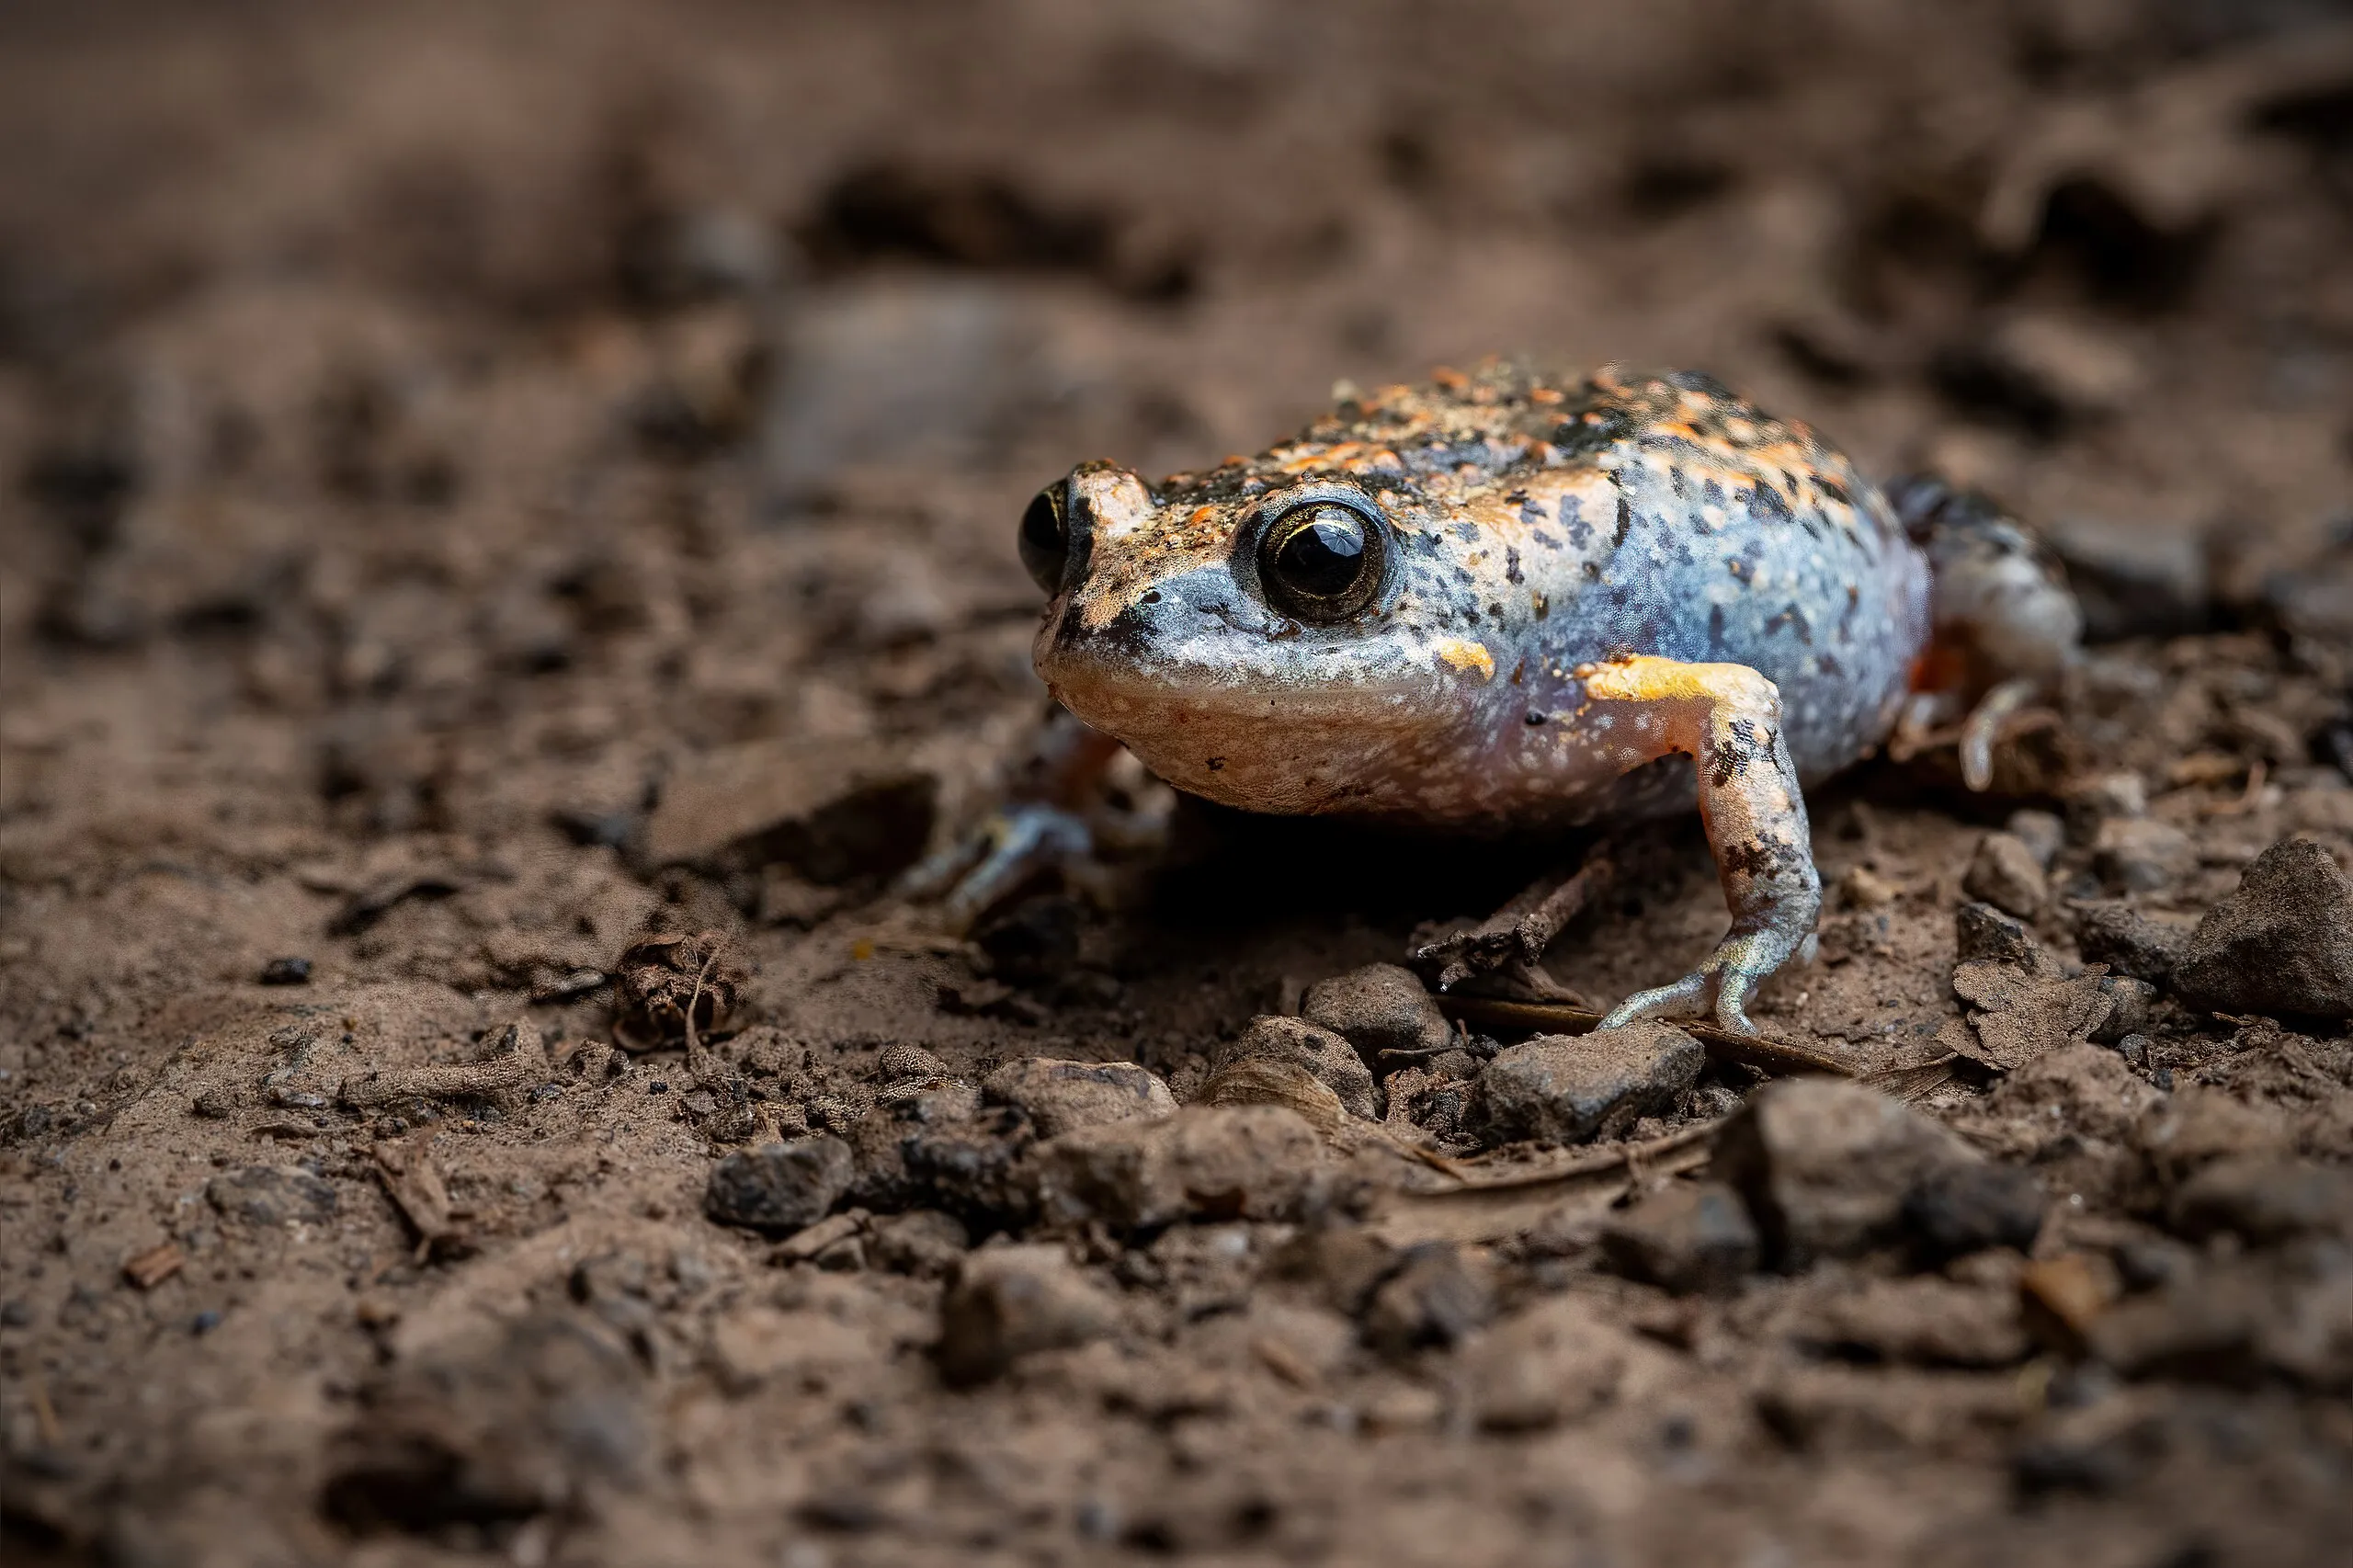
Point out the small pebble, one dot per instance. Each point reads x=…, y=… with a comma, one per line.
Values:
x=286, y=972
x=2141, y=854
x=2043, y=833
x=2005, y=873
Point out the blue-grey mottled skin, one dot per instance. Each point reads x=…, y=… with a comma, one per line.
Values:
x=1581, y=578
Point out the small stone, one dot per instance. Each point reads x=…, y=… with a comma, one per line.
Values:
x=1927, y=1320
x=1863, y=888
x=2199, y=1126
x=2206, y=1328
x=779, y=1187
x=2043, y=833
x=1254, y=1162
x=2005, y=873
x=1007, y=1303
x=751, y=1343
x=1953, y=1210
x=2141, y=854
x=1825, y=1165
x=2133, y=1007
x=1983, y=932
x=1573, y=1088
x=286, y=972
x=2134, y=1049
x=1376, y=1008
x=1327, y=1055
x=2082, y=1089
x=1556, y=1362
x=1437, y=1296
x=2101, y=800
x=921, y=1242
x=1061, y=1095
x=2128, y=941
x=1692, y=1237
x=2281, y=944
x=2264, y=1198
x=836, y=1242
x=271, y=1195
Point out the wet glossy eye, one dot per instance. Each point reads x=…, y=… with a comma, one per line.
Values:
x=1320, y=562
x=1045, y=539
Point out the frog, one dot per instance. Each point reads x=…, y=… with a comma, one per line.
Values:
x=1515, y=600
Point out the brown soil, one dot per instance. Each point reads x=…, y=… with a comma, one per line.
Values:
x=489, y=487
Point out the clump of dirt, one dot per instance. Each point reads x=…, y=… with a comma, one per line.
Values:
x=512, y=565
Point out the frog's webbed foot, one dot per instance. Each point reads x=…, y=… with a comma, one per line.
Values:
x=1014, y=846
x=1718, y=988
x=1727, y=717
x=1513, y=938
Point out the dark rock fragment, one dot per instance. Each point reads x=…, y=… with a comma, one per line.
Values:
x=779, y=1187
x=1437, y=1295
x=922, y=1242
x=2129, y=941
x=1556, y=1362
x=2132, y=1009
x=271, y=1195
x=286, y=972
x=2264, y=1198
x=1956, y=1209
x=2141, y=854
x=1571, y=1088
x=1826, y=1166
x=531, y=1422
x=1007, y=1303
x=2005, y=873
x=2193, y=1128
x=1379, y=1008
x=2281, y=944
x=1985, y=933
x=1693, y=1237
x=1326, y=1055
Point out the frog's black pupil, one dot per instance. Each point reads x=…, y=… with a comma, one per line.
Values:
x=1045, y=544
x=1323, y=556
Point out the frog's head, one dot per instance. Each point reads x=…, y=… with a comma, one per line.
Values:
x=1275, y=647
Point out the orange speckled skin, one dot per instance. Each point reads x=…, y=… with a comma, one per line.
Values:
x=1580, y=578
x=1537, y=526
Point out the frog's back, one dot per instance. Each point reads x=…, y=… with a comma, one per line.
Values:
x=1740, y=539
x=1652, y=514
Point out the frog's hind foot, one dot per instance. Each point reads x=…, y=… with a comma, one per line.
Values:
x=1513, y=939
x=1718, y=989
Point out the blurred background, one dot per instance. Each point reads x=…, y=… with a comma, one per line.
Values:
x=444, y=417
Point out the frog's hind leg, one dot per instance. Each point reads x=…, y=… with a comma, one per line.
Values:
x=1727, y=717
x=2004, y=628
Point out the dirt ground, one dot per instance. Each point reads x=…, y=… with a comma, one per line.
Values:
x=487, y=486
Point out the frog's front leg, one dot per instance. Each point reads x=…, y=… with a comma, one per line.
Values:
x=1727, y=717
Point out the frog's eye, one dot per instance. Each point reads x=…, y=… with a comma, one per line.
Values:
x=1045, y=538
x=1321, y=560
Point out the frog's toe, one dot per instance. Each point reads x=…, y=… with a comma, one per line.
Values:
x=1016, y=844
x=1687, y=998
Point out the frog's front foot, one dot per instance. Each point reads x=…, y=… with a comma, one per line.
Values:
x=1017, y=844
